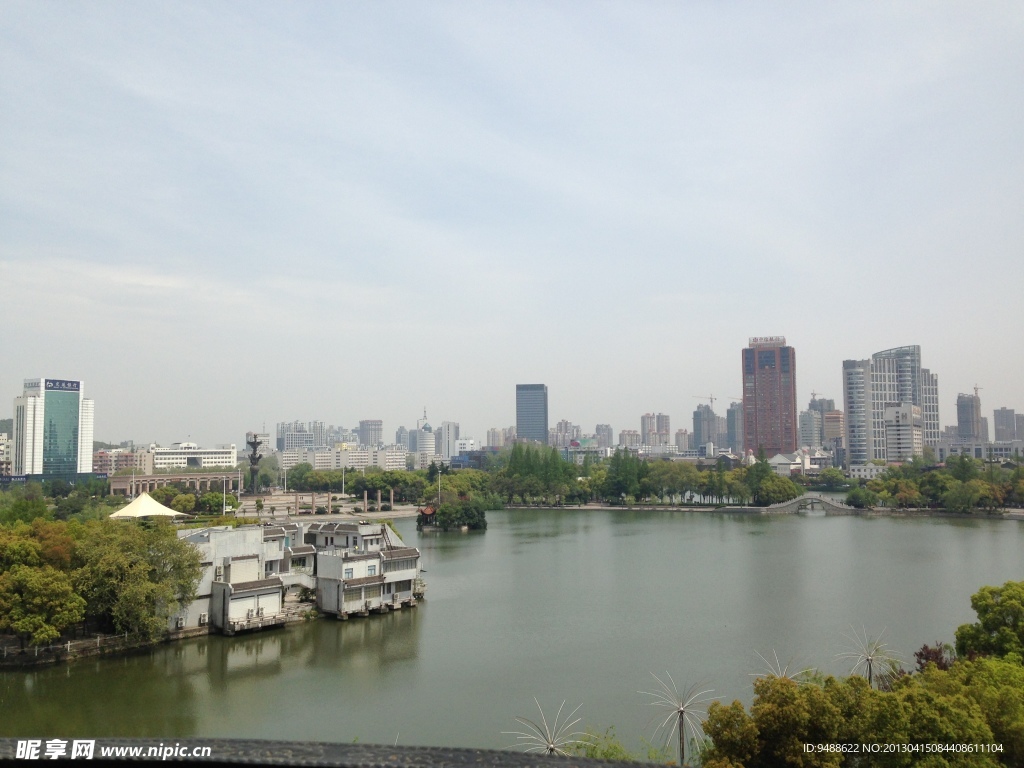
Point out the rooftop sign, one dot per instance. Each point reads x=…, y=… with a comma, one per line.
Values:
x=764, y=341
x=61, y=385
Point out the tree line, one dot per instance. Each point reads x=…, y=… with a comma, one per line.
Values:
x=963, y=485
x=59, y=577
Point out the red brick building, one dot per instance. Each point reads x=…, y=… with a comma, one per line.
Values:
x=769, y=396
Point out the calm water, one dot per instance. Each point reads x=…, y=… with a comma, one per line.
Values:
x=581, y=606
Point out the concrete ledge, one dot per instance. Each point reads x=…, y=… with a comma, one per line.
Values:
x=298, y=753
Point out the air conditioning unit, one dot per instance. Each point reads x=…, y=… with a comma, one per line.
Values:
x=259, y=611
x=249, y=613
x=204, y=619
x=218, y=573
x=180, y=623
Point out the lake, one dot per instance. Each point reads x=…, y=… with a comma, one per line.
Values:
x=571, y=605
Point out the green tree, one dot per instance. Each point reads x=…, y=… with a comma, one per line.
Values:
x=133, y=577
x=999, y=630
x=37, y=604
x=832, y=478
x=184, y=502
x=774, y=489
x=16, y=548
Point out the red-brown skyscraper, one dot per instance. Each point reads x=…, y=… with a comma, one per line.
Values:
x=769, y=396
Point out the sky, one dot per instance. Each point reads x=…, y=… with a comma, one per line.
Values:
x=219, y=216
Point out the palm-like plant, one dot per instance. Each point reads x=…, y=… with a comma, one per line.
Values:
x=685, y=713
x=774, y=668
x=550, y=739
x=871, y=656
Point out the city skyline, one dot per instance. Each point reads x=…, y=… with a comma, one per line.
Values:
x=198, y=200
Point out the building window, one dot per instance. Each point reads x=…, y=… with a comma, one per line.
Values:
x=348, y=573
x=371, y=570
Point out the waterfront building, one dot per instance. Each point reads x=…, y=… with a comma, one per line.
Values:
x=914, y=384
x=53, y=427
x=605, y=436
x=903, y=432
x=769, y=395
x=968, y=417
x=869, y=386
x=532, y=412
x=980, y=449
x=361, y=578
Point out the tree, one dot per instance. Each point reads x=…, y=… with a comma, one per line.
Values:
x=16, y=548
x=999, y=630
x=832, y=478
x=184, y=503
x=37, y=604
x=774, y=489
x=861, y=498
x=134, y=577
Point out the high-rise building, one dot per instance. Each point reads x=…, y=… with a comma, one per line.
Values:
x=495, y=437
x=968, y=417
x=629, y=438
x=810, y=429
x=916, y=385
x=1004, y=422
x=532, y=412
x=734, y=427
x=663, y=427
x=834, y=428
x=648, y=428
x=371, y=432
x=447, y=439
x=53, y=425
x=903, y=432
x=605, y=436
x=564, y=433
x=684, y=440
x=868, y=386
x=769, y=396
x=705, y=426
x=402, y=437
x=891, y=376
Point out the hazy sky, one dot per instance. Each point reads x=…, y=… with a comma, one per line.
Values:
x=220, y=215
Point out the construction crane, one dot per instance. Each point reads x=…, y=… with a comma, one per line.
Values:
x=976, y=388
x=712, y=398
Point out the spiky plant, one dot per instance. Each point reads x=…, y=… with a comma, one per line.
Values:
x=774, y=668
x=871, y=656
x=550, y=739
x=685, y=713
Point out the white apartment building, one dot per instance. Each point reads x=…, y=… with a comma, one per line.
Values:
x=903, y=432
x=181, y=455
